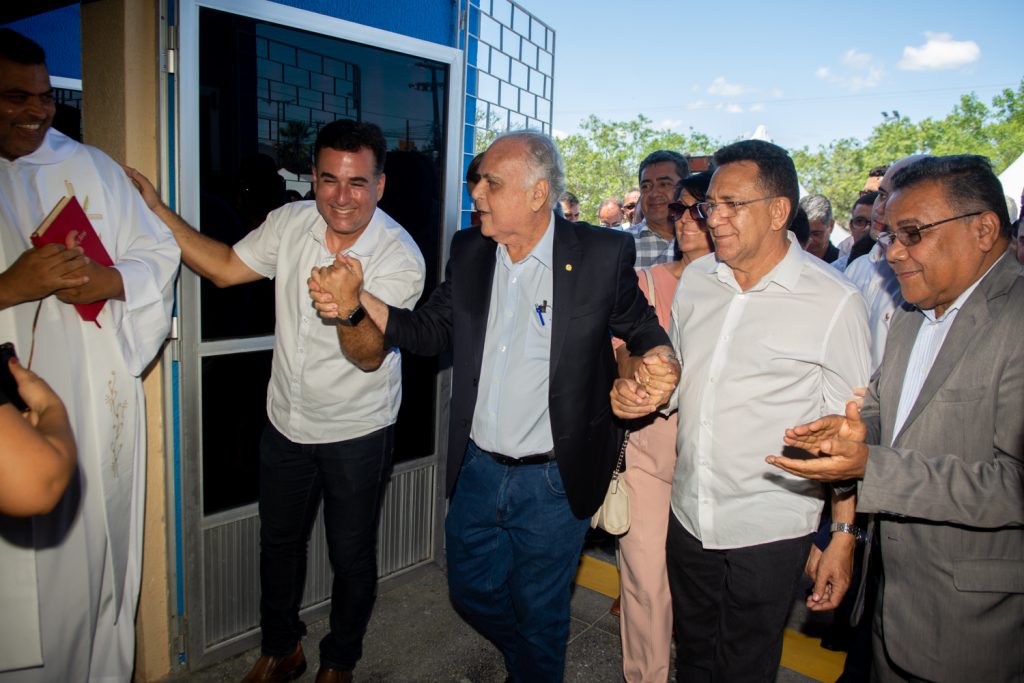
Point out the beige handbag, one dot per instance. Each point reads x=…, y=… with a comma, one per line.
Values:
x=613, y=515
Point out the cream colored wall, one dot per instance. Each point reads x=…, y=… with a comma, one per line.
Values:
x=120, y=62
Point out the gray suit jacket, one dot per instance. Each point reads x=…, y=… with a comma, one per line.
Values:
x=951, y=491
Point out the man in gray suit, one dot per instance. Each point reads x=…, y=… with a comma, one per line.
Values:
x=939, y=441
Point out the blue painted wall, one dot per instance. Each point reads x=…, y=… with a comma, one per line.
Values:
x=430, y=20
x=60, y=34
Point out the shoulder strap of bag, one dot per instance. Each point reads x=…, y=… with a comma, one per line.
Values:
x=622, y=457
x=650, y=287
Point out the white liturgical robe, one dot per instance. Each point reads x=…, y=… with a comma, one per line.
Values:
x=71, y=578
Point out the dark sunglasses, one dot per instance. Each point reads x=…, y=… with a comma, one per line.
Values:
x=630, y=206
x=677, y=209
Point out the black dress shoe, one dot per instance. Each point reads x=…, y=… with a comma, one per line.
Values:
x=329, y=675
x=278, y=669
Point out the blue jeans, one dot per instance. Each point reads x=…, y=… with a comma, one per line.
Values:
x=350, y=476
x=513, y=546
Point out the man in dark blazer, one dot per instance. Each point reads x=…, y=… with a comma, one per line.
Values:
x=939, y=442
x=528, y=307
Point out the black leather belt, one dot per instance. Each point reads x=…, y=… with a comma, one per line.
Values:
x=539, y=459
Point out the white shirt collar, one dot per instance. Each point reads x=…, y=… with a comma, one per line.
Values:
x=543, y=251
x=785, y=273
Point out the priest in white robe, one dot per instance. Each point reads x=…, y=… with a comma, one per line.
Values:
x=70, y=579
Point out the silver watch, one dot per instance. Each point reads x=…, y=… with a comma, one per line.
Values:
x=845, y=528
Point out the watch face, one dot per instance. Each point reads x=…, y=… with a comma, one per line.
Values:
x=354, y=318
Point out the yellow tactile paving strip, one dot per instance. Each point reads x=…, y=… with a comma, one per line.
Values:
x=800, y=653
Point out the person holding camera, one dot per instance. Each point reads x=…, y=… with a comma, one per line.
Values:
x=37, y=450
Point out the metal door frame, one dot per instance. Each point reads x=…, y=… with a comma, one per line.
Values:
x=189, y=525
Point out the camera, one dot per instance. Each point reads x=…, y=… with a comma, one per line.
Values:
x=8, y=384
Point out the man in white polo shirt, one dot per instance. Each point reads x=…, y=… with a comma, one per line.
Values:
x=331, y=420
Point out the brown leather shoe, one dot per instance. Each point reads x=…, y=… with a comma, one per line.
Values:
x=616, y=608
x=278, y=669
x=328, y=675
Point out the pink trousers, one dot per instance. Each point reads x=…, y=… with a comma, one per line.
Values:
x=646, y=622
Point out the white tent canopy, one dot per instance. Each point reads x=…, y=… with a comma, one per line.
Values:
x=1013, y=180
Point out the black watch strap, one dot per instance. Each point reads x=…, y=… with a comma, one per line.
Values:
x=354, y=318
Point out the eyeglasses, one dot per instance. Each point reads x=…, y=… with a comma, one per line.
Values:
x=908, y=237
x=630, y=206
x=860, y=222
x=677, y=209
x=708, y=209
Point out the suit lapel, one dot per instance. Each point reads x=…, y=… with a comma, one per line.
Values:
x=968, y=324
x=902, y=333
x=479, y=267
x=971, y=322
x=565, y=266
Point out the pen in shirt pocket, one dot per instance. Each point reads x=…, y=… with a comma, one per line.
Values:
x=541, y=309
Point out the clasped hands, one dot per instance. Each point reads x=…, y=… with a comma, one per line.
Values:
x=336, y=288
x=653, y=381
x=836, y=440
x=62, y=270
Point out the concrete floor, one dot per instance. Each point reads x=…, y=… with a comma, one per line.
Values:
x=415, y=636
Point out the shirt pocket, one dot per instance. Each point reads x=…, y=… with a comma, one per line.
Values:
x=538, y=333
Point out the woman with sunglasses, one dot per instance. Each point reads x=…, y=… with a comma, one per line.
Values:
x=646, y=605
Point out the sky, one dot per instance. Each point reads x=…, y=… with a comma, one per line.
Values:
x=811, y=72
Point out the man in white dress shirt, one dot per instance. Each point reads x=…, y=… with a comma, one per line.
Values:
x=765, y=331
x=873, y=275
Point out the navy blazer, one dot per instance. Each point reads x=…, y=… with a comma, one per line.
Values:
x=595, y=284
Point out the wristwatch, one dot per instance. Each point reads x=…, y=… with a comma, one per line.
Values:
x=846, y=529
x=354, y=318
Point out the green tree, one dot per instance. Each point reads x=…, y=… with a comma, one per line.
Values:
x=1008, y=127
x=602, y=159
x=838, y=170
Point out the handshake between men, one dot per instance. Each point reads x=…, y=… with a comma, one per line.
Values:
x=654, y=378
x=336, y=291
x=335, y=288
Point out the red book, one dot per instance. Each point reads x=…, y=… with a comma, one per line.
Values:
x=66, y=216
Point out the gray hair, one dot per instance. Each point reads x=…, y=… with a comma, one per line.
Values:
x=606, y=202
x=544, y=161
x=818, y=208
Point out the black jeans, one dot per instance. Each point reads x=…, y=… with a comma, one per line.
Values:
x=730, y=606
x=350, y=477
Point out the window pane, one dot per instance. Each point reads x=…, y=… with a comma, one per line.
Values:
x=234, y=389
x=265, y=91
